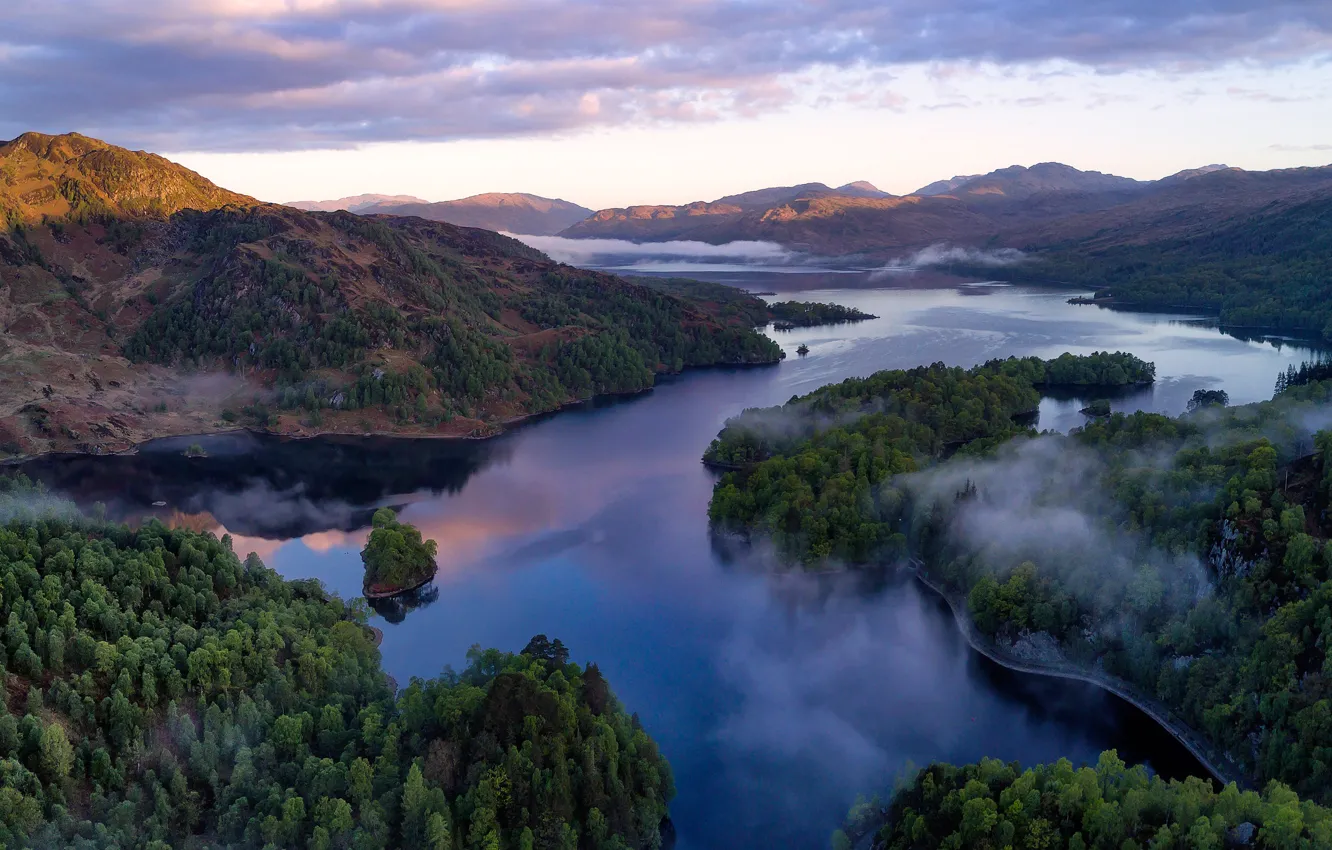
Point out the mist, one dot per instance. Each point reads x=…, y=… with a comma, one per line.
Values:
x=941, y=254
x=621, y=253
x=1043, y=500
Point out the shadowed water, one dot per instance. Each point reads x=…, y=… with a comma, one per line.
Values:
x=776, y=698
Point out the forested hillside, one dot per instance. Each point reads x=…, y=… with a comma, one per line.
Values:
x=1269, y=270
x=1187, y=558
x=992, y=805
x=159, y=304
x=160, y=692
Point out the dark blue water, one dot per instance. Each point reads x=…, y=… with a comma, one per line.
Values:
x=776, y=698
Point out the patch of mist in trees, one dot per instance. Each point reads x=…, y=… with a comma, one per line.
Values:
x=1291, y=430
x=35, y=505
x=1043, y=500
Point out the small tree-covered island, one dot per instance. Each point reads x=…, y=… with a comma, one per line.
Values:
x=159, y=692
x=1184, y=562
x=805, y=314
x=396, y=559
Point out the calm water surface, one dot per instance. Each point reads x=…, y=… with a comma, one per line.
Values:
x=776, y=699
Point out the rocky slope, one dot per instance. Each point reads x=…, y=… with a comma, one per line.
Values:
x=73, y=177
x=171, y=306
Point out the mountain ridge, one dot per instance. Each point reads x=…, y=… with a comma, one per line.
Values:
x=507, y=212
x=354, y=203
x=1017, y=206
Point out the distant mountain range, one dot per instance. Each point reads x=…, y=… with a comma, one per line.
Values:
x=516, y=212
x=531, y=215
x=354, y=203
x=1018, y=207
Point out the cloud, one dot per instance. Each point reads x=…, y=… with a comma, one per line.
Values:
x=1300, y=148
x=267, y=75
x=941, y=254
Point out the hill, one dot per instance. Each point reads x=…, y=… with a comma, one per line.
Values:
x=120, y=326
x=530, y=215
x=354, y=203
x=73, y=177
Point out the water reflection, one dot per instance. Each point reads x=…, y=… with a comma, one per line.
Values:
x=776, y=698
x=267, y=487
x=395, y=608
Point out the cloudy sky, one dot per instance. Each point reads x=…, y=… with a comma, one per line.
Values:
x=611, y=102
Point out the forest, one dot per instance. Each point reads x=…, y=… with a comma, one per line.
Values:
x=161, y=692
x=991, y=805
x=1188, y=558
x=301, y=323
x=805, y=314
x=1271, y=270
x=731, y=301
x=810, y=474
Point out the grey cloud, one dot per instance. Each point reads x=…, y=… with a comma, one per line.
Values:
x=190, y=74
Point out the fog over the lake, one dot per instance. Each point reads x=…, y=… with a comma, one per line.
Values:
x=624, y=253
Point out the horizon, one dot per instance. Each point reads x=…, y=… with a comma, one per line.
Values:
x=611, y=104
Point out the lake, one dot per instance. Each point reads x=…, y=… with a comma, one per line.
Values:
x=777, y=698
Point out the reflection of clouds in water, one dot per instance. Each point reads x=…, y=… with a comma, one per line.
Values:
x=243, y=545
x=267, y=509
x=326, y=541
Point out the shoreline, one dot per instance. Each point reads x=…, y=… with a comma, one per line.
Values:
x=497, y=429
x=389, y=594
x=1178, y=730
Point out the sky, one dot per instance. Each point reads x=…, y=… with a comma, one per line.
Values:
x=613, y=102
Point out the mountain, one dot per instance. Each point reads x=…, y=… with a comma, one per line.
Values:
x=1190, y=173
x=862, y=189
x=1019, y=182
x=858, y=217
x=354, y=203
x=170, y=306
x=775, y=195
x=1020, y=207
x=75, y=177
x=943, y=187
x=531, y=215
